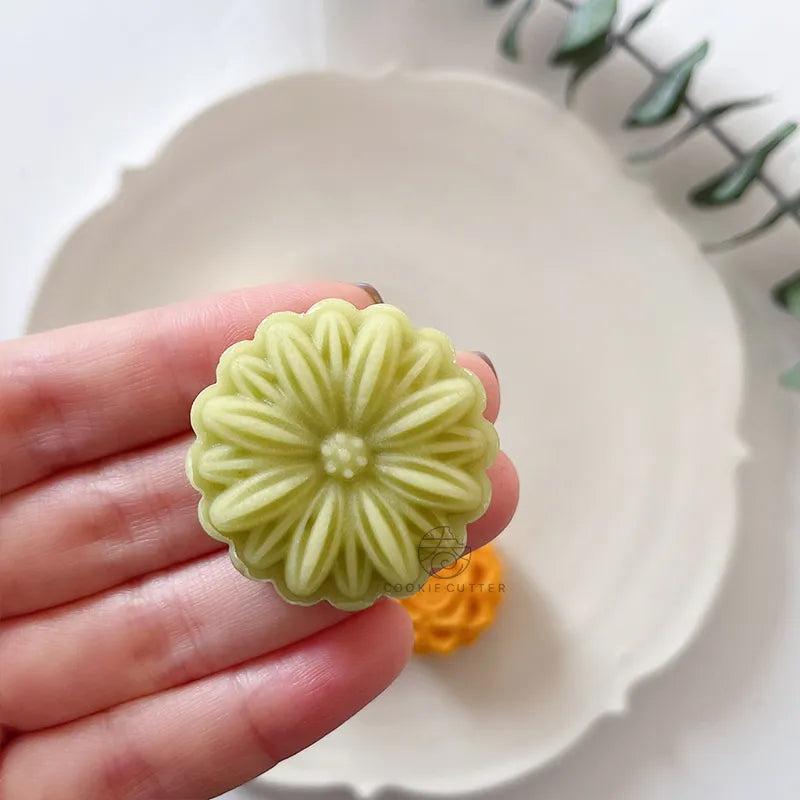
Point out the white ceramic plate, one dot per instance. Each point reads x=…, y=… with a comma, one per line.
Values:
x=485, y=211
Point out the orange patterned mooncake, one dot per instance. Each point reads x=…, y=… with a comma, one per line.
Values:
x=454, y=609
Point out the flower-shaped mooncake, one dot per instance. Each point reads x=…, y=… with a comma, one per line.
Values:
x=453, y=611
x=331, y=443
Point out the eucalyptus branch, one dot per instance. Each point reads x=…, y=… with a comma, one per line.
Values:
x=700, y=116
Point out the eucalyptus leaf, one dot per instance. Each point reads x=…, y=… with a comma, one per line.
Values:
x=509, y=39
x=697, y=124
x=787, y=294
x=641, y=18
x=585, y=61
x=791, y=378
x=731, y=184
x=589, y=22
x=665, y=95
x=789, y=208
x=497, y=3
x=587, y=42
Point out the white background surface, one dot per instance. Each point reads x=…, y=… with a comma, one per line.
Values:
x=89, y=88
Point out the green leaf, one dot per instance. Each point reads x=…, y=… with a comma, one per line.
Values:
x=664, y=97
x=584, y=61
x=591, y=21
x=641, y=18
x=497, y=3
x=790, y=207
x=699, y=122
x=509, y=38
x=791, y=378
x=587, y=42
x=731, y=184
x=598, y=41
x=787, y=294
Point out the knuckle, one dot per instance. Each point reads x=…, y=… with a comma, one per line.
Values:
x=126, y=771
x=17, y=683
x=165, y=635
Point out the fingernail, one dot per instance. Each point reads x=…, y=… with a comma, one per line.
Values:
x=486, y=358
x=371, y=291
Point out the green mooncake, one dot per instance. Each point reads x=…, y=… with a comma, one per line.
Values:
x=331, y=444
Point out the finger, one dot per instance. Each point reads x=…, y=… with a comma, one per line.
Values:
x=83, y=392
x=98, y=526
x=479, y=364
x=505, y=496
x=114, y=520
x=203, y=738
x=169, y=629
x=128, y=517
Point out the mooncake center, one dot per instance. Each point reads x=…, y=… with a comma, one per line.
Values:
x=344, y=455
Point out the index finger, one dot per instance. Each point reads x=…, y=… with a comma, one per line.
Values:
x=91, y=390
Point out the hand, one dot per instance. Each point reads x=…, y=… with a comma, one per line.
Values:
x=135, y=661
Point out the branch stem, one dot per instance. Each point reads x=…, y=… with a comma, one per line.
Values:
x=696, y=112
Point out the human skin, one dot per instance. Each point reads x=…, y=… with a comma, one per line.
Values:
x=135, y=661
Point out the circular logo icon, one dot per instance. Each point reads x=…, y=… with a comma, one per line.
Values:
x=442, y=554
